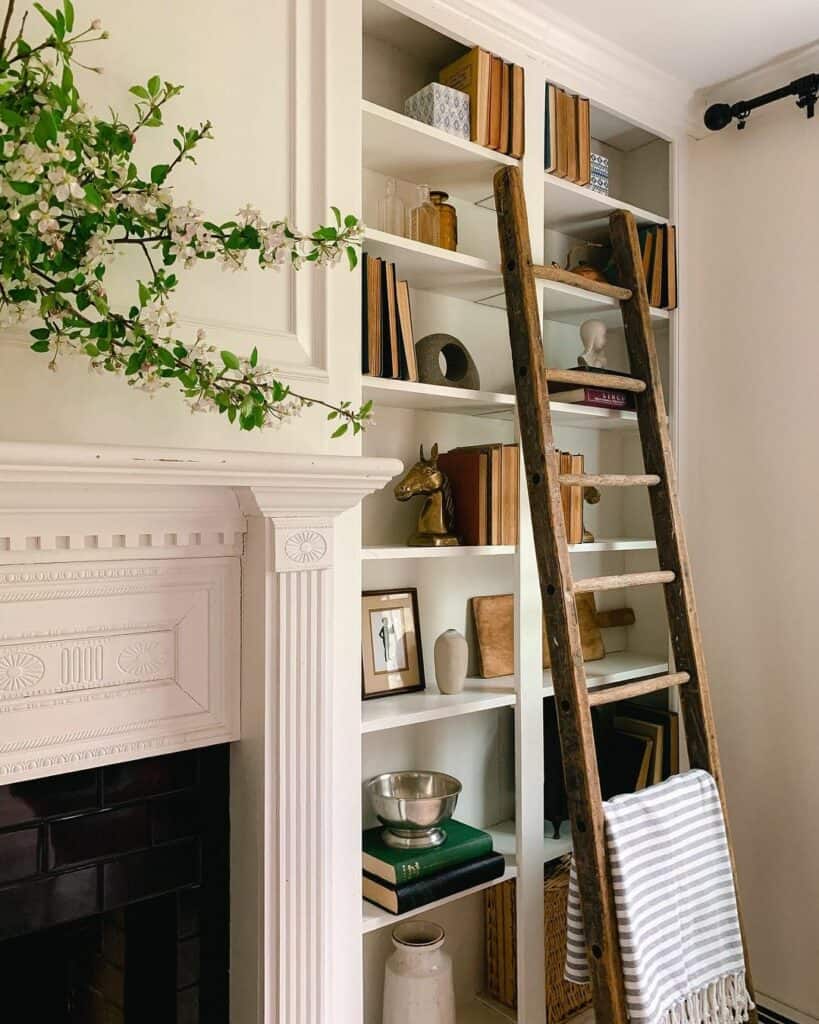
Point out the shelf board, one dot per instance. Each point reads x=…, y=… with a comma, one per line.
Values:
x=603, y=544
x=374, y=917
x=400, y=147
x=431, y=705
x=385, y=553
x=400, y=394
x=577, y=211
x=566, y=304
x=433, y=269
x=617, y=667
x=484, y=1011
x=504, y=840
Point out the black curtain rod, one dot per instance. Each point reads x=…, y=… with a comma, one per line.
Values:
x=806, y=89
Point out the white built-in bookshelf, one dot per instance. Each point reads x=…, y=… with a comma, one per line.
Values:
x=491, y=735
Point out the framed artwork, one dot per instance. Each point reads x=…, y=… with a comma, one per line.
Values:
x=391, y=659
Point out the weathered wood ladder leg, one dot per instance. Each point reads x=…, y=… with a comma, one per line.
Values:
x=558, y=586
x=672, y=552
x=557, y=591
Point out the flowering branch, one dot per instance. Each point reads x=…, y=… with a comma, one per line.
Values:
x=71, y=194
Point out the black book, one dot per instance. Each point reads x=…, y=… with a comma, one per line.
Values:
x=398, y=899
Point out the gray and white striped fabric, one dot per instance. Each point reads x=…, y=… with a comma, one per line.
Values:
x=676, y=907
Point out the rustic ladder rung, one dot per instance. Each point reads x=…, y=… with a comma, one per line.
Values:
x=609, y=480
x=552, y=273
x=637, y=688
x=573, y=698
x=626, y=579
x=590, y=379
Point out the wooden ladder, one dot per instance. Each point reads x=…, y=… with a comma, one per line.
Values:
x=558, y=586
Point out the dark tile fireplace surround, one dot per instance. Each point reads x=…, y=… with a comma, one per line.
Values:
x=114, y=894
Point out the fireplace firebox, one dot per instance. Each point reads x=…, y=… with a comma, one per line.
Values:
x=114, y=893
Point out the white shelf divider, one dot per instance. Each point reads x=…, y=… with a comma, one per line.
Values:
x=400, y=147
x=389, y=554
x=618, y=667
x=579, y=212
x=431, y=705
x=433, y=269
x=373, y=917
x=400, y=394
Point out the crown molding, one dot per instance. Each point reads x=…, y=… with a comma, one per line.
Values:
x=583, y=60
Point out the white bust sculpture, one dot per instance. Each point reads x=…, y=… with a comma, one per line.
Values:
x=593, y=336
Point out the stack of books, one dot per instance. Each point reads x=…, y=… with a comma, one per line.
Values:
x=387, y=345
x=658, y=246
x=485, y=484
x=495, y=90
x=572, y=497
x=567, y=147
x=403, y=880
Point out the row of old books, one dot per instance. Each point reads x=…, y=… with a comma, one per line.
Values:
x=658, y=246
x=485, y=484
x=495, y=89
x=403, y=880
x=567, y=146
x=387, y=344
x=637, y=746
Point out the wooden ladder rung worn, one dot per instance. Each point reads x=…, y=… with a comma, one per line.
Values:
x=544, y=483
x=637, y=688
x=608, y=480
x=551, y=273
x=621, y=582
x=590, y=379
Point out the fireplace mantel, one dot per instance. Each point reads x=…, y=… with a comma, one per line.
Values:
x=138, y=587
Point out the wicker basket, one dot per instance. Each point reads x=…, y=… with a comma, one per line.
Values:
x=563, y=999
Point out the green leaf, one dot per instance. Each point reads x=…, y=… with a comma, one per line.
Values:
x=352, y=257
x=254, y=357
x=92, y=350
x=25, y=188
x=339, y=431
x=230, y=360
x=66, y=285
x=41, y=333
x=366, y=408
x=45, y=130
x=93, y=197
x=154, y=85
x=141, y=91
x=159, y=172
x=11, y=117
x=350, y=220
x=50, y=18
x=165, y=357
x=336, y=214
x=40, y=346
x=68, y=8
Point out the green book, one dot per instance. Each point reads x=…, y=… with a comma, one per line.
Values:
x=462, y=843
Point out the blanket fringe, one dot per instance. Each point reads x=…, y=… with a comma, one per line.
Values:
x=724, y=1001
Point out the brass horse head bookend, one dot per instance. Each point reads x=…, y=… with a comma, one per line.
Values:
x=436, y=521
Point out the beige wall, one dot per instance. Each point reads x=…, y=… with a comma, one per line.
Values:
x=750, y=480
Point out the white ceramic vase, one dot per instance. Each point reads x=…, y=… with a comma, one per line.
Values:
x=418, y=976
x=451, y=655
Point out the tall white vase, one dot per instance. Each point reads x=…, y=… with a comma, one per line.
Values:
x=418, y=976
x=451, y=656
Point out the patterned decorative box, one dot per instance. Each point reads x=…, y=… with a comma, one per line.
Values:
x=599, y=164
x=441, y=107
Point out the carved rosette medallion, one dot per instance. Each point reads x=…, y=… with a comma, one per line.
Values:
x=305, y=546
x=143, y=658
x=19, y=671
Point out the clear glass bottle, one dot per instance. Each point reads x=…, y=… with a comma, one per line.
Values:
x=392, y=213
x=447, y=220
x=423, y=219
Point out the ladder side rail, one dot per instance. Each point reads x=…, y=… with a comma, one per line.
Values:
x=554, y=568
x=672, y=551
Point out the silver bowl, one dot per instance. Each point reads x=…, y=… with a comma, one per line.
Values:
x=413, y=806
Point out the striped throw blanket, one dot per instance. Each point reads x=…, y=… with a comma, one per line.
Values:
x=676, y=907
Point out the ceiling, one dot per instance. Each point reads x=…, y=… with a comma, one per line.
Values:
x=700, y=41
